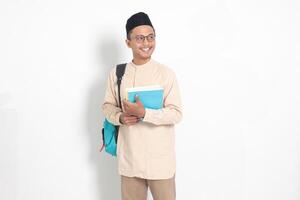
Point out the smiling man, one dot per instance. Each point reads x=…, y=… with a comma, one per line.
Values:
x=146, y=141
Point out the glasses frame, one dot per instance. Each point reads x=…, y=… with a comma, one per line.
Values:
x=141, y=38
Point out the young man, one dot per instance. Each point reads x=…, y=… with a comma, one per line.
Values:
x=146, y=141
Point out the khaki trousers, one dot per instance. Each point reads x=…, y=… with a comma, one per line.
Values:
x=134, y=188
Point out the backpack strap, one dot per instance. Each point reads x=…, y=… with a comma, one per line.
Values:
x=119, y=72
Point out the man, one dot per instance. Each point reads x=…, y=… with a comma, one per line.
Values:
x=146, y=141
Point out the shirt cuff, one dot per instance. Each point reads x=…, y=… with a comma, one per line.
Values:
x=118, y=122
x=149, y=115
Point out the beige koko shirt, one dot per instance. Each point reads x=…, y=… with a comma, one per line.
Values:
x=146, y=149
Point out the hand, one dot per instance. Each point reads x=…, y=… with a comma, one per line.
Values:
x=127, y=119
x=136, y=109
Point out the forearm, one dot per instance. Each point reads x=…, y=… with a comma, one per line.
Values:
x=171, y=112
x=164, y=116
x=112, y=113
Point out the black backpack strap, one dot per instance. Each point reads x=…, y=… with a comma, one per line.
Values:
x=119, y=72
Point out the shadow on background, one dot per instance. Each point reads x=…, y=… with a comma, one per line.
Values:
x=108, y=186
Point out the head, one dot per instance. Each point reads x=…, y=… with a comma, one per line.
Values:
x=140, y=37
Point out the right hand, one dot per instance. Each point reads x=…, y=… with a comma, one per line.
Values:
x=127, y=119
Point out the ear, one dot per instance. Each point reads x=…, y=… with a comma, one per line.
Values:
x=128, y=43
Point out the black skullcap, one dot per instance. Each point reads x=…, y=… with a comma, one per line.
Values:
x=137, y=19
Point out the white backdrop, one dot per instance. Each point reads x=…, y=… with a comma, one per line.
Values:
x=238, y=66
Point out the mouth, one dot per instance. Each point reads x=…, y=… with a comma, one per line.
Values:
x=146, y=49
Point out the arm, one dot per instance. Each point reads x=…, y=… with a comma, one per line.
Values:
x=171, y=113
x=110, y=107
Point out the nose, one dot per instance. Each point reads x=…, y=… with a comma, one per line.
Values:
x=145, y=41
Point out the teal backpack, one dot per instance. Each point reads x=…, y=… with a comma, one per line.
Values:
x=110, y=131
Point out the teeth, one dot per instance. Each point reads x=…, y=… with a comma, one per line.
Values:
x=145, y=49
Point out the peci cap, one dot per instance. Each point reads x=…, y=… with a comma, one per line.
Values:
x=137, y=19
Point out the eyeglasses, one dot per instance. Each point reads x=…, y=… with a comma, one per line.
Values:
x=141, y=38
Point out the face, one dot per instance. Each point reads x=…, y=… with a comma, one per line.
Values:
x=142, y=43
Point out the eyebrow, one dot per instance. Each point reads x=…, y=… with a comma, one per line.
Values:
x=146, y=35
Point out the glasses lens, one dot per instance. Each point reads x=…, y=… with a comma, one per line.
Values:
x=139, y=38
x=151, y=37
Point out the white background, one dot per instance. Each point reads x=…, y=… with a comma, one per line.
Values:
x=238, y=67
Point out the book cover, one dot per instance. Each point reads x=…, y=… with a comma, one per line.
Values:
x=150, y=96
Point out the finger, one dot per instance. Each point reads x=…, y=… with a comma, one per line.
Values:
x=138, y=101
x=127, y=105
x=124, y=101
x=130, y=119
x=131, y=123
x=125, y=109
x=126, y=114
x=129, y=110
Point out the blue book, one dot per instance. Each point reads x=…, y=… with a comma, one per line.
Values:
x=150, y=96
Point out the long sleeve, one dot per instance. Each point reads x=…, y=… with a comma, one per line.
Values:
x=110, y=107
x=171, y=112
x=147, y=148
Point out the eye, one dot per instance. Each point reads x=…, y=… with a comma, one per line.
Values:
x=151, y=37
x=139, y=38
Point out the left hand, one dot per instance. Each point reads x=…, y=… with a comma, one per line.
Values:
x=136, y=109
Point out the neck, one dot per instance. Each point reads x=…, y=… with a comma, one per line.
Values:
x=137, y=61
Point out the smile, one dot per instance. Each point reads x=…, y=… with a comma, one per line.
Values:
x=145, y=49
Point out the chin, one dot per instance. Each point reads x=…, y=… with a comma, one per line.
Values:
x=146, y=57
